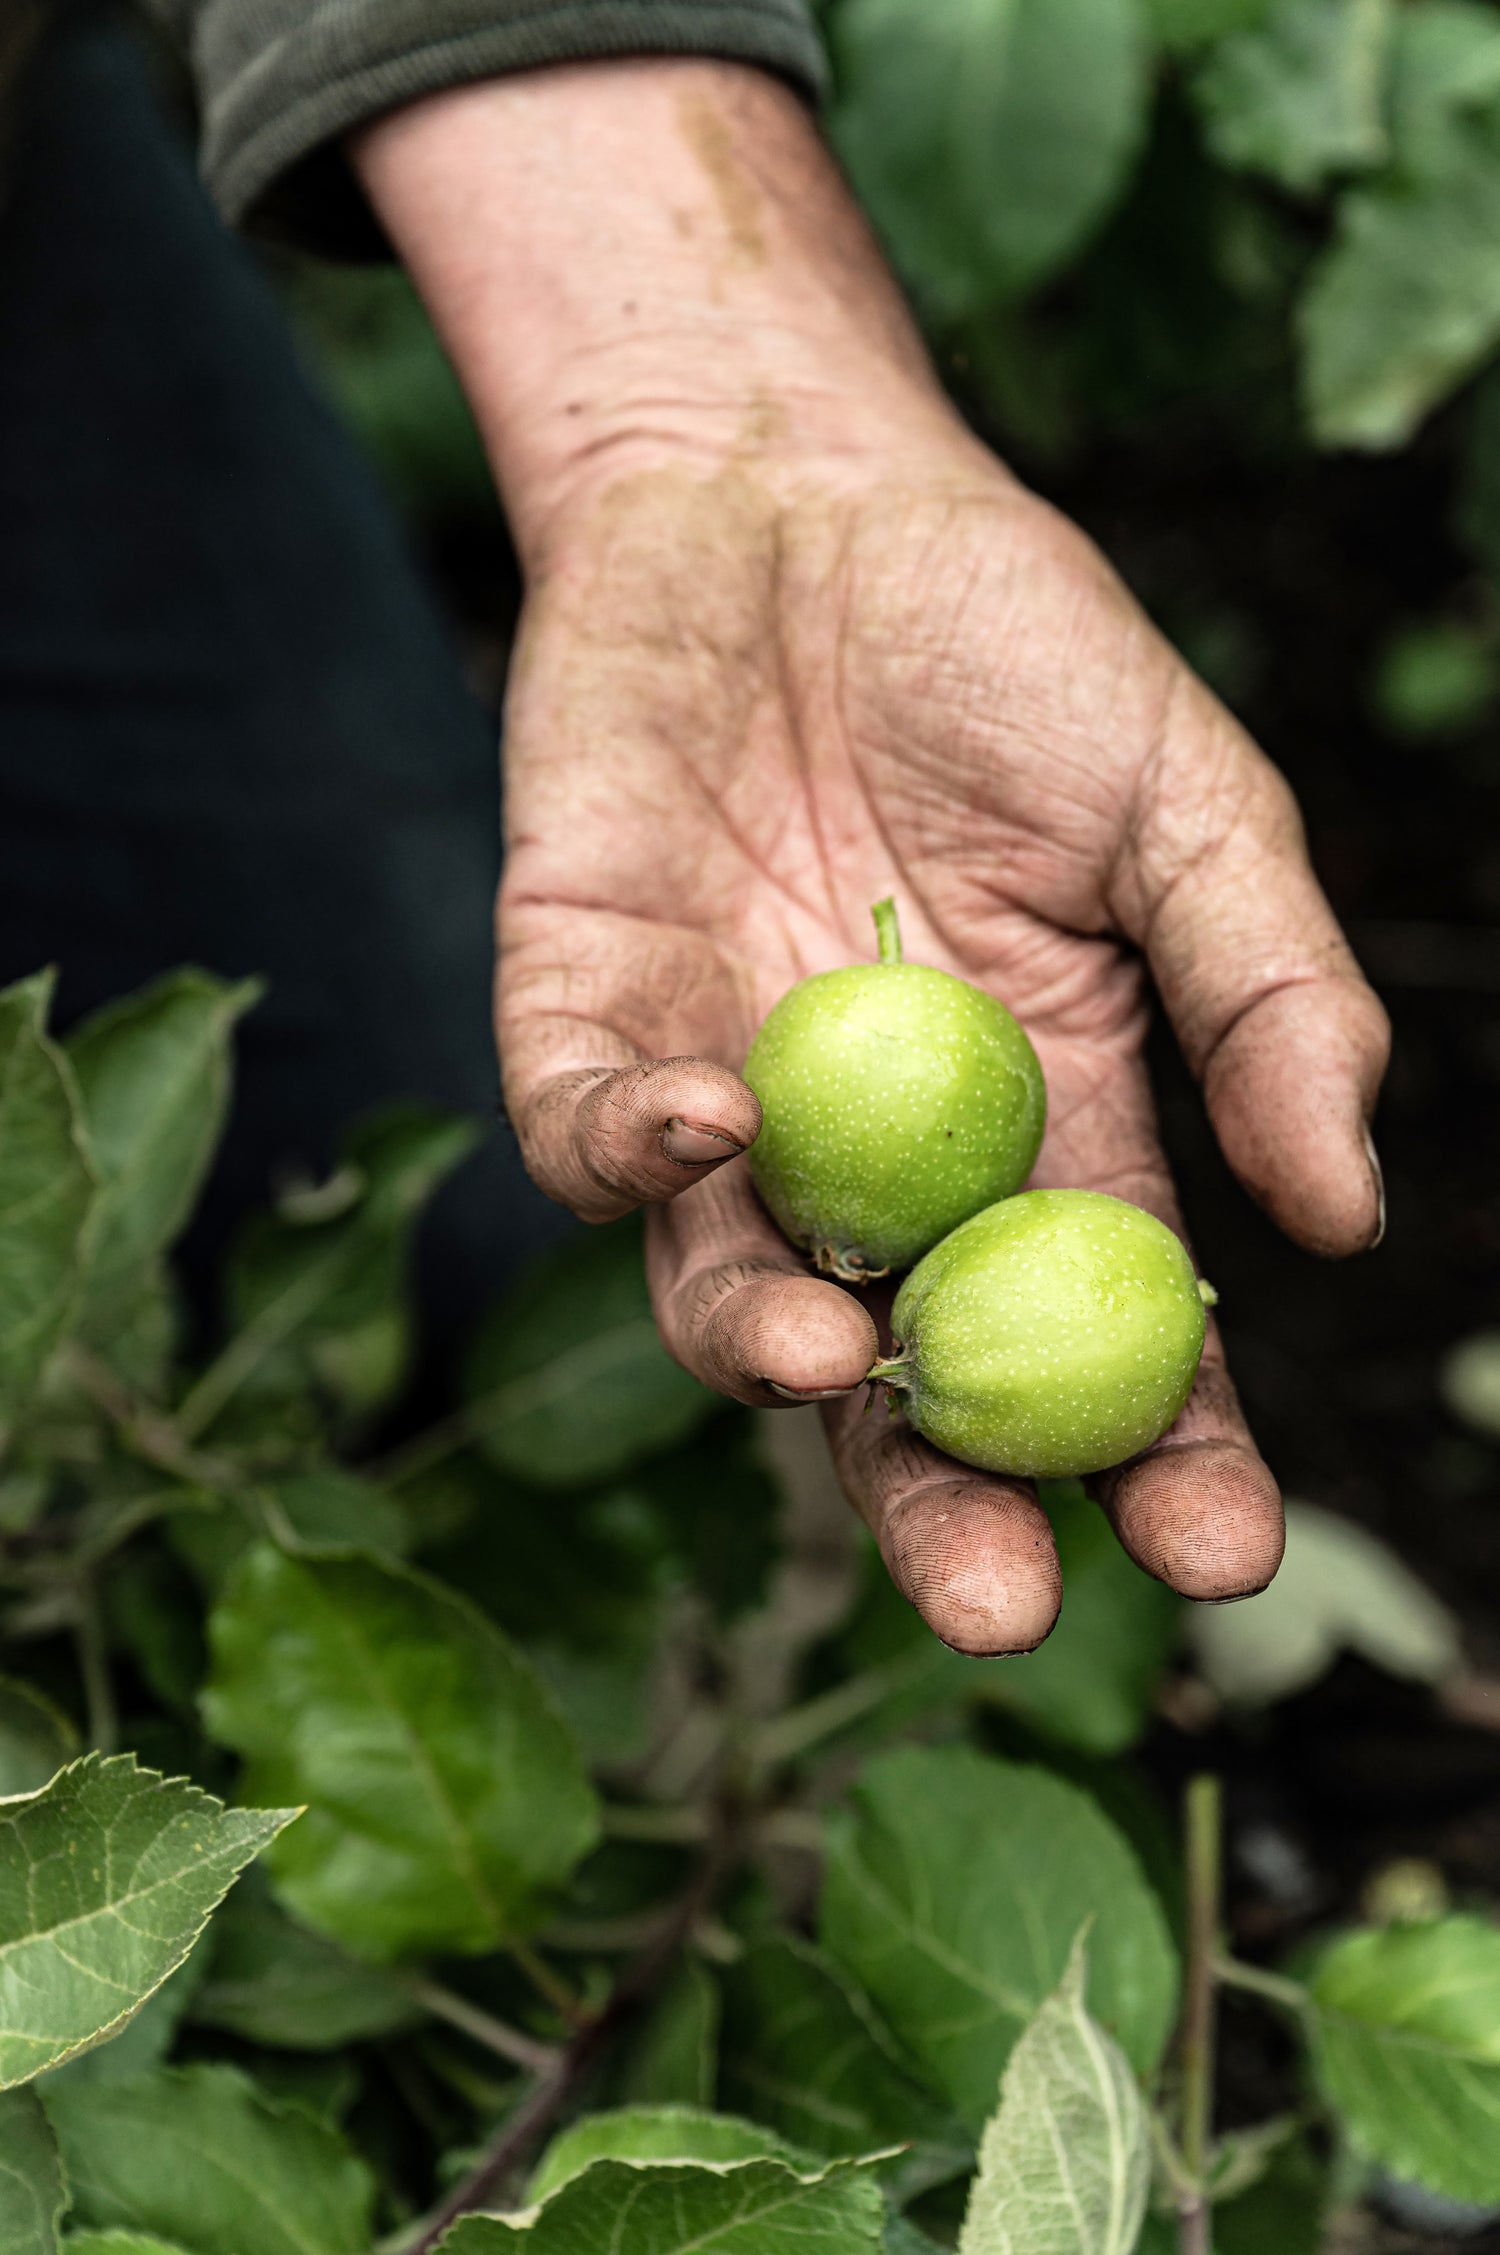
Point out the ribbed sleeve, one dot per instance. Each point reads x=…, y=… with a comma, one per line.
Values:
x=281, y=80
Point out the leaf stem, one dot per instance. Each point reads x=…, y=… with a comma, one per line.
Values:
x=548, y=1984
x=800, y=1728
x=887, y=930
x=1232, y=1973
x=246, y=1351
x=146, y=1432
x=496, y=2035
x=1204, y=1873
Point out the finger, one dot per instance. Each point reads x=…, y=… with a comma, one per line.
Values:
x=602, y=1141
x=1266, y=997
x=586, y=1003
x=736, y=1306
x=1201, y=1510
x=972, y=1552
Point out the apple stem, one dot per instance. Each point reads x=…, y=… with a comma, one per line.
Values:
x=895, y=1372
x=887, y=930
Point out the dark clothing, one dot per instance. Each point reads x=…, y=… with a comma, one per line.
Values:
x=232, y=728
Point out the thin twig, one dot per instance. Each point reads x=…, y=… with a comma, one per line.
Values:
x=1204, y=1882
x=425, y=1450
x=538, y=2111
x=496, y=2035
x=672, y=1823
x=800, y=1728
x=247, y=1350
x=1233, y=1973
x=148, y=1432
x=548, y=1984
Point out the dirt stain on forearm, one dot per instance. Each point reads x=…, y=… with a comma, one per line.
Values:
x=738, y=197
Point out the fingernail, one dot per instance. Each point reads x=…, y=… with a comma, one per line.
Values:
x=816, y=1394
x=688, y=1144
x=1375, y=1168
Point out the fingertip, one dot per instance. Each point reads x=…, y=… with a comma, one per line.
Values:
x=789, y=1338
x=978, y=1562
x=1289, y=1090
x=603, y=1141
x=1202, y=1516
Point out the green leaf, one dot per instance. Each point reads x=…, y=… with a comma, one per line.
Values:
x=274, y=1982
x=987, y=137
x=33, y=2192
x=1181, y=26
x=317, y=1289
x=146, y=2038
x=568, y=1382
x=1302, y=98
x=1436, y=680
x=1406, y=2045
x=107, y=1877
x=732, y=2208
x=1090, y=1685
x=1339, y=1589
x=36, y=1738
x=1282, y=2213
x=1469, y=1378
x=46, y=1192
x=324, y=1508
x=1406, y=302
x=118, y=2243
x=903, y=2238
x=153, y=1073
x=659, y=2133
x=199, y=2157
x=954, y=1893
x=1065, y=2162
x=445, y=1796
x=804, y=2051
x=674, y=2059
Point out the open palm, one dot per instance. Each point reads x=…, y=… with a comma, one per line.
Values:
x=741, y=714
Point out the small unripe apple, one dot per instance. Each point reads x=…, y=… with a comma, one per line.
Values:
x=897, y=1102
x=1057, y=1333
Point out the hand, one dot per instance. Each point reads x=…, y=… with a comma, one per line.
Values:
x=793, y=640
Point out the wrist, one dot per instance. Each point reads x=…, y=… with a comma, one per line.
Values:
x=647, y=262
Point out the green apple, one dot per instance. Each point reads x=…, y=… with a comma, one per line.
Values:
x=897, y=1102
x=1056, y=1333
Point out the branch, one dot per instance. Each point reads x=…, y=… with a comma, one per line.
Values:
x=540, y=2109
x=1204, y=1825
x=496, y=2035
x=147, y=1432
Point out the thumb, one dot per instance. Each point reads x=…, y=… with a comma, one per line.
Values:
x=1267, y=1000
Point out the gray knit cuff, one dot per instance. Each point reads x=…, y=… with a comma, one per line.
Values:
x=283, y=80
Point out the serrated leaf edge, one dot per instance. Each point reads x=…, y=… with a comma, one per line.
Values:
x=98, y=1761
x=844, y=2165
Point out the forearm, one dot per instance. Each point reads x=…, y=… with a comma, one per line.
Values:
x=646, y=260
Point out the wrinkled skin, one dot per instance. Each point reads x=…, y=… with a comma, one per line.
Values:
x=822, y=654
